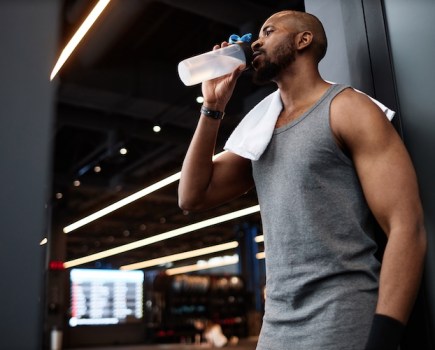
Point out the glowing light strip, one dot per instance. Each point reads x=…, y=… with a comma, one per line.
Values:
x=202, y=266
x=260, y=255
x=44, y=241
x=259, y=238
x=180, y=256
x=163, y=236
x=127, y=200
x=78, y=36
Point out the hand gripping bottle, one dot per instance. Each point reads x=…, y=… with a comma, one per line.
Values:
x=216, y=63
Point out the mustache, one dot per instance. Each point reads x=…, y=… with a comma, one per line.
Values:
x=258, y=52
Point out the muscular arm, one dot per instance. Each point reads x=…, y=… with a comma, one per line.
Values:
x=206, y=183
x=390, y=186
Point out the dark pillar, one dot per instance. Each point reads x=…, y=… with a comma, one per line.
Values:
x=249, y=265
x=28, y=31
x=249, y=268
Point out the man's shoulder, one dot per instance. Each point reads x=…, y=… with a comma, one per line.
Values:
x=354, y=105
x=354, y=114
x=350, y=96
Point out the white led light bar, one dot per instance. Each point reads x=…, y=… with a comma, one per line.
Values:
x=123, y=202
x=78, y=36
x=203, y=266
x=259, y=238
x=260, y=255
x=163, y=236
x=127, y=200
x=180, y=256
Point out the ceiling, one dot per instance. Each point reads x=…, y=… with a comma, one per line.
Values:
x=121, y=80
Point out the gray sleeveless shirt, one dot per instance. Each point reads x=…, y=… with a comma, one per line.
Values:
x=322, y=275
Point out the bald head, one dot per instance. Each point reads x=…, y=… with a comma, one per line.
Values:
x=302, y=21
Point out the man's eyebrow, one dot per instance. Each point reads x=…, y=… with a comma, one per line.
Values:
x=266, y=28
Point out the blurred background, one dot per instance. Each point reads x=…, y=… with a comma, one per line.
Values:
x=92, y=148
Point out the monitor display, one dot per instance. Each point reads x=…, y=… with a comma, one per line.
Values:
x=102, y=297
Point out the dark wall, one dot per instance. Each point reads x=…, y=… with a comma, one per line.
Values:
x=347, y=60
x=411, y=31
x=28, y=31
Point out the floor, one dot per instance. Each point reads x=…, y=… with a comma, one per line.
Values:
x=244, y=344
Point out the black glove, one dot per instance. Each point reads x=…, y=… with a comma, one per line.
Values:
x=385, y=333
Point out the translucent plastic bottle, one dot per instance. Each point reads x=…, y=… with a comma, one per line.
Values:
x=214, y=63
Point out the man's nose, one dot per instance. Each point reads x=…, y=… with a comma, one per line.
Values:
x=256, y=45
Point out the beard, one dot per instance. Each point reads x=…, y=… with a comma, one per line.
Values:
x=269, y=70
x=266, y=73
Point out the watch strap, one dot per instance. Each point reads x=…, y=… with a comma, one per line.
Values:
x=211, y=113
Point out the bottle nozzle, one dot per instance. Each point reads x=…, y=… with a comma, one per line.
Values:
x=234, y=38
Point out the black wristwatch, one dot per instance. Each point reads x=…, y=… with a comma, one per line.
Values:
x=212, y=114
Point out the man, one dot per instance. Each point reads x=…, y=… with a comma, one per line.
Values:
x=333, y=170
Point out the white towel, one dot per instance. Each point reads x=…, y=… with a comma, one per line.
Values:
x=251, y=137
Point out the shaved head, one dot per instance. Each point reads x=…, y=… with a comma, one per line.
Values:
x=302, y=21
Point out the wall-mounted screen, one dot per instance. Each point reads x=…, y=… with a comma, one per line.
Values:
x=102, y=297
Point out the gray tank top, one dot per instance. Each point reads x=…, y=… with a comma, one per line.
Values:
x=321, y=272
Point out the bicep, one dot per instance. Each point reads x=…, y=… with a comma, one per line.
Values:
x=389, y=184
x=231, y=177
x=383, y=165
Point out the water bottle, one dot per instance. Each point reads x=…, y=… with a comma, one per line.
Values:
x=214, y=63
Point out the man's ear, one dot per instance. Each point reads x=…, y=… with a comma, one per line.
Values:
x=304, y=39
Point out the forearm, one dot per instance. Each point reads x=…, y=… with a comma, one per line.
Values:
x=197, y=169
x=401, y=272
x=197, y=174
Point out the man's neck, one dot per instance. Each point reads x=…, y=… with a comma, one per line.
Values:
x=299, y=91
x=300, y=85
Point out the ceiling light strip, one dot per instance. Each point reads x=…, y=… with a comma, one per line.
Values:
x=180, y=256
x=202, y=266
x=260, y=255
x=123, y=202
x=78, y=36
x=163, y=236
x=259, y=238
